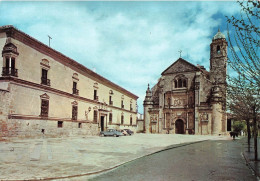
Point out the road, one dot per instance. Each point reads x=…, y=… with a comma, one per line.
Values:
x=208, y=160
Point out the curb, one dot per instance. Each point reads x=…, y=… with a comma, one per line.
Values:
x=252, y=168
x=113, y=167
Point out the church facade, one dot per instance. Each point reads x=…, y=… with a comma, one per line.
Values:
x=43, y=92
x=188, y=99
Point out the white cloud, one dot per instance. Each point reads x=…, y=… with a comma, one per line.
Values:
x=130, y=43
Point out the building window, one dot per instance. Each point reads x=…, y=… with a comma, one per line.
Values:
x=74, y=89
x=60, y=124
x=44, y=79
x=175, y=84
x=44, y=108
x=110, y=118
x=122, y=119
x=122, y=104
x=74, y=112
x=9, y=68
x=110, y=101
x=80, y=125
x=95, y=95
x=218, y=49
x=95, y=116
x=131, y=108
x=131, y=121
x=180, y=82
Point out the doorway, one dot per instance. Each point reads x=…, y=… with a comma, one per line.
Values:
x=102, y=123
x=179, y=126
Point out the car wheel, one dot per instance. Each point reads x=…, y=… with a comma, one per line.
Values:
x=102, y=135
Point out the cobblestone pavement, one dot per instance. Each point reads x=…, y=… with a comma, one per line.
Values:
x=71, y=157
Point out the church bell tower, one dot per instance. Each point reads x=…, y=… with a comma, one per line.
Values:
x=218, y=59
x=218, y=74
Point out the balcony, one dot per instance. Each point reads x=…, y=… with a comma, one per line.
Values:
x=7, y=71
x=75, y=91
x=111, y=103
x=45, y=81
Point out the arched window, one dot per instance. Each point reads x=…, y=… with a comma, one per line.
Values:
x=175, y=84
x=184, y=83
x=179, y=83
x=218, y=49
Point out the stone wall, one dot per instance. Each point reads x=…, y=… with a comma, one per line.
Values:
x=39, y=128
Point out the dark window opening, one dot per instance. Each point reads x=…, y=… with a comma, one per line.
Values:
x=95, y=116
x=122, y=119
x=131, y=121
x=184, y=83
x=74, y=89
x=95, y=95
x=44, y=108
x=110, y=118
x=44, y=78
x=74, y=112
x=122, y=104
x=80, y=125
x=175, y=84
x=179, y=83
x=60, y=124
x=110, y=100
x=218, y=49
x=131, y=109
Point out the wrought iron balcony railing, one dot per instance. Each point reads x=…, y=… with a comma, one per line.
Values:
x=8, y=71
x=45, y=81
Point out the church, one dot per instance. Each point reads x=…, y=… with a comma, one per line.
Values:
x=188, y=99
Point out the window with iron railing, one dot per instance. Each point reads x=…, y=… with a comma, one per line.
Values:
x=74, y=89
x=9, y=68
x=44, y=78
x=44, y=108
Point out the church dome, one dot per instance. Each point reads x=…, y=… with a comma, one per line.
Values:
x=219, y=35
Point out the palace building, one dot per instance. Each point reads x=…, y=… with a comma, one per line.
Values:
x=188, y=99
x=45, y=92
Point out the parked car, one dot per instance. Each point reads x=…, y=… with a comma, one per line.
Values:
x=124, y=132
x=130, y=132
x=111, y=132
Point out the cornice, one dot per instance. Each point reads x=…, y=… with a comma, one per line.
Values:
x=39, y=46
x=25, y=83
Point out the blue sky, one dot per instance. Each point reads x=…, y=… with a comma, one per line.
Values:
x=129, y=43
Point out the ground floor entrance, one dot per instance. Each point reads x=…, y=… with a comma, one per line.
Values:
x=179, y=126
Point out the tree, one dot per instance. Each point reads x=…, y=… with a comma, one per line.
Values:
x=243, y=38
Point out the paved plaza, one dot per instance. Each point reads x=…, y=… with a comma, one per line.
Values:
x=73, y=157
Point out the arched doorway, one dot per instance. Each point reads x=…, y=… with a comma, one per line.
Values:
x=179, y=126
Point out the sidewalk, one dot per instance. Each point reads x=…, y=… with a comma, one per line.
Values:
x=250, y=156
x=71, y=157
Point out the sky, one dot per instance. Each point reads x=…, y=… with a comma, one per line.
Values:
x=129, y=43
